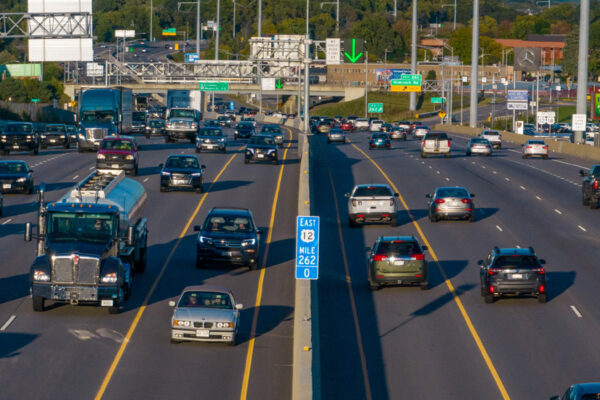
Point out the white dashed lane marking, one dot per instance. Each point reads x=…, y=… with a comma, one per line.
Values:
x=522, y=187
x=7, y=221
x=146, y=180
x=497, y=227
x=508, y=179
x=75, y=177
x=538, y=197
x=582, y=228
x=557, y=211
x=7, y=323
x=576, y=311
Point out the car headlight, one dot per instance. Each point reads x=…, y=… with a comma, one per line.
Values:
x=29, y=137
x=182, y=323
x=40, y=276
x=148, y=127
x=249, y=151
x=271, y=151
x=194, y=125
x=129, y=157
x=249, y=242
x=62, y=136
x=224, y=324
x=235, y=131
x=109, y=278
x=22, y=179
x=279, y=137
x=205, y=240
x=221, y=139
x=43, y=136
x=165, y=173
x=101, y=156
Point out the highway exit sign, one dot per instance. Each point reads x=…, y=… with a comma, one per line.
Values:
x=437, y=100
x=406, y=83
x=375, y=107
x=213, y=86
x=169, y=32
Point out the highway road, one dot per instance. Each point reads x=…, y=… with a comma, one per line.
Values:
x=83, y=352
x=445, y=343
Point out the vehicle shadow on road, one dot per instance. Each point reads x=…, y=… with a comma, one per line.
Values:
x=225, y=185
x=11, y=229
x=450, y=268
x=14, y=287
x=10, y=343
x=153, y=146
x=53, y=186
x=559, y=282
x=269, y=317
x=281, y=251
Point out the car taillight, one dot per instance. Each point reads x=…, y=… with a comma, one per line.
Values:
x=448, y=143
x=595, y=184
x=527, y=147
x=466, y=201
x=439, y=201
x=380, y=257
x=540, y=270
x=354, y=202
x=493, y=271
x=492, y=289
x=418, y=257
x=545, y=147
x=542, y=289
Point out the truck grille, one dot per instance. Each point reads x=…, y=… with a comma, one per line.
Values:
x=87, y=270
x=63, y=270
x=227, y=244
x=17, y=139
x=95, y=133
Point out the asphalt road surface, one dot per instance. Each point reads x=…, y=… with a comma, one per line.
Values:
x=445, y=343
x=82, y=352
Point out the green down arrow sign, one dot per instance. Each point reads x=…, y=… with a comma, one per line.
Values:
x=278, y=84
x=353, y=49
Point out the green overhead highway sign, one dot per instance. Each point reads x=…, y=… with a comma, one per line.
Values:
x=435, y=100
x=278, y=84
x=375, y=107
x=213, y=86
x=169, y=32
x=353, y=49
x=407, y=80
x=35, y=100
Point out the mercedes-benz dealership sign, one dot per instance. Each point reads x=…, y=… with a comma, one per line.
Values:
x=527, y=59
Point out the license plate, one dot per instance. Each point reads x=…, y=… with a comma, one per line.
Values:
x=227, y=253
x=106, y=303
x=516, y=276
x=399, y=282
x=456, y=203
x=115, y=165
x=16, y=146
x=179, y=181
x=52, y=140
x=260, y=155
x=6, y=186
x=210, y=146
x=399, y=262
x=202, y=333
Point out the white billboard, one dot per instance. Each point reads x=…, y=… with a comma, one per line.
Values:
x=333, y=51
x=94, y=69
x=67, y=49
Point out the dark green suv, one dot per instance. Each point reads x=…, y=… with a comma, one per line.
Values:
x=397, y=260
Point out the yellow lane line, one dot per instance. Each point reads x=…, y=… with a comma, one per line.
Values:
x=361, y=351
x=261, y=279
x=463, y=311
x=140, y=312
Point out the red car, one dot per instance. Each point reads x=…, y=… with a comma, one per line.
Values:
x=346, y=126
x=118, y=152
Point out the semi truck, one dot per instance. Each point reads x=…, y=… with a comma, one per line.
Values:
x=183, y=115
x=184, y=99
x=90, y=242
x=103, y=112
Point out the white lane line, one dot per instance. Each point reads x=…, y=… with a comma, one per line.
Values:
x=518, y=247
x=500, y=229
x=146, y=180
x=430, y=167
x=576, y=311
x=495, y=172
x=522, y=187
x=422, y=162
x=91, y=168
x=7, y=221
x=483, y=166
x=7, y=323
x=437, y=172
x=573, y=165
x=538, y=197
x=508, y=179
x=448, y=179
x=582, y=228
x=472, y=162
x=75, y=177
x=557, y=211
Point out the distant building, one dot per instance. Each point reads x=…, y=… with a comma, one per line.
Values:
x=551, y=51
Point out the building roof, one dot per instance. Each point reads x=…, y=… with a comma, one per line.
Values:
x=433, y=42
x=530, y=44
x=547, y=38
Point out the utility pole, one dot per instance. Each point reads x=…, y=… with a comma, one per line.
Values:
x=259, y=34
x=582, y=66
x=150, y=36
x=413, y=54
x=474, y=65
x=218, y=30
x=366, y=82
x=395, y=9
x=234, y=19
x=198, y=30
x=307, y=71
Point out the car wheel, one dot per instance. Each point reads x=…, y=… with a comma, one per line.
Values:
x=199, y=189
x=472, y=217
x=80, y=150
x=423, y=155
x=246, y=161
x=193, y=140
x=373, y=286
x=235, y=137
x=468, y=154
x=585, y=200
x=394, y=221
x=38, y=303
x=488, y=298
x=424, y=285
x=232, y=342
x=116, y=307
x=135, y=171
x=545, y=157
x=352, y=223
x=329, y=142
x=147, y=136
x=175, y=341
x=524, y=156
x=253, y=264
x=163, y=189
x=433, y=218
x=542, y=298
x=593, y=203
x=404, y=138
x=448, y=155
x=274, y=162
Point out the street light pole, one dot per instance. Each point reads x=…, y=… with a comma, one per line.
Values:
x=337, y=12
x=150, y=35
x=366, y=83
x=234, y=19
x=413, y=55
x=582, y=66
x=218, y=30
x=259, y=26
x=198, y=30
x=306, y=71
x=474, y=65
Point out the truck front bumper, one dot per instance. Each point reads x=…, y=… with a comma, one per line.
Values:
x=183, y=134
x=117, y=165
x=75, y=293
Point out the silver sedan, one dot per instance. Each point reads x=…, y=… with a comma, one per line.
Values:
x=336, y=135
x=535, y=148
x=451, y=202
x=205, y=314
x=479, y=146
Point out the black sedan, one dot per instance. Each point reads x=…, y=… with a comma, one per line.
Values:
x=261, y=148
x=181, y=171
x=244, y=130
x=211, y=139
x=16, y=176
x=211, y=123
x=19, y=136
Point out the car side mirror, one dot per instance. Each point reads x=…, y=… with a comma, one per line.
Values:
x=130, y=236
x=30, y=170
x=542, y=261
x=396, y=194
x=480, y=262
x=28, y=231
x=203, y=166
x=196, y=228
x=428, y=196
x=581, y=173
x=139, y=147
x=171, y=303
x=472, y=194
x=239, y=306
x=346, y=194
x=259, y=231
x=424, y=248
x=160, y=166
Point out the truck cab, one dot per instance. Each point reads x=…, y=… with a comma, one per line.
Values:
x=19, y=136
x=182, y=124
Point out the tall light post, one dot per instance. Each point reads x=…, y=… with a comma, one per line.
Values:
x=259, y=25
x=218, y=30
x=413, y=55
x=234, y=19
x=582, y=63
x=198, y=26
x=452, y=5
x=474, y=65
x=150, y=37
x=337, y=12
x=307, y=70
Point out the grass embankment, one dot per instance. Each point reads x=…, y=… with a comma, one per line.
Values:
x=395, y=106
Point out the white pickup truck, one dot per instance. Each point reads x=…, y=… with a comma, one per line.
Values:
x=494, y=137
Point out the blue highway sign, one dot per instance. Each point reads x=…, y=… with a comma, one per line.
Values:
x=307, y=247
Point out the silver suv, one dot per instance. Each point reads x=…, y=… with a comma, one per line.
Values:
x=435, y=143
x=372, y=203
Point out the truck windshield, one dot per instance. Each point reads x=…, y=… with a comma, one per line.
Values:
x=139, y=116
x=182, y=114
x=19, y=128
x=80, y=227
x=97, y=116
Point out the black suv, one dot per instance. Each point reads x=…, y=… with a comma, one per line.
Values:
x=261, y=148
x=590, y=188
x=243, y=130
x=512, y=271
x=54, y=135
x=19, y=136
x=181, y=171
x=228, y=235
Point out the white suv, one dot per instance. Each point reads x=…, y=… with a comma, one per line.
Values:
x=376, y=125
x=435, y=143
x=361, y=123
x=493, y=137
x=372, y=203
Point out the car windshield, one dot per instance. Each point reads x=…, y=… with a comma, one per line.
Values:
x=516, y=262
x=269, y=129
x=485, y=141
x=12, y=167
x=182, y=162
x=55, y=128
x=19, y=128
x=398, y=248
x=80, y=227
x=98, y=116
x=536, y=142
x=210, y=132
x=157, y=122
x=379, y=136
x=139, y=116
x=436, y=136
x=125, y=145
x=249, y=119
x=261, y=140
x=245, y=125
x=452, y=192
x=211, y=123
x=223, y=118
x=182, y=113
x=229, y=224
x=336, y=132
x=371, y=191
x=205, y=300
x=490, y=133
